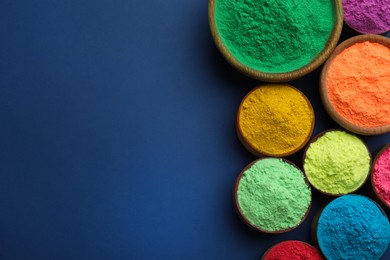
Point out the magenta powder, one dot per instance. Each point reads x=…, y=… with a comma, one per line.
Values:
x=367, y=16
x=381, y=176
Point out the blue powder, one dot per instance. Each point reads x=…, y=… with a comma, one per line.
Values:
x=353, y=227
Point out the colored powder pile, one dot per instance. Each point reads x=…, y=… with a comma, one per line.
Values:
x=337, y=163
x=274, y=36
x=358, y=83
x=273, y=195
x=292, y=250
x=367, y=16
x=275, y=119
x=381, y=175
x=353, y=227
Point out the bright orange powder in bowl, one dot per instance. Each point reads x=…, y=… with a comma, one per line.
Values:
x=358, y=84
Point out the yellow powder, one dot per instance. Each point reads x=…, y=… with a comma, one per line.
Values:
x=275, y=120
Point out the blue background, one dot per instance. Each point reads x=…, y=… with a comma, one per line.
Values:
x=117, y=137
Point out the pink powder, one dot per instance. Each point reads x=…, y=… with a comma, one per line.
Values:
x=382, y=175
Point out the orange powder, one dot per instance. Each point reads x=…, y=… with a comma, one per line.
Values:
x=358, y=82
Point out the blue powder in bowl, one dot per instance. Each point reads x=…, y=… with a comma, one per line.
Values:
x=353, y=227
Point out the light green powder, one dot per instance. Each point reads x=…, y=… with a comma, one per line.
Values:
x=337, y=163
x=273, y=195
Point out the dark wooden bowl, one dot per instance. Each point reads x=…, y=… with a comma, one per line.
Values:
x=259, y=153
x=324, y=89
x=313, y=141
x=265, y=254
x=285, y=76
x=241, y=214
x=383, y=202
x=314, y=224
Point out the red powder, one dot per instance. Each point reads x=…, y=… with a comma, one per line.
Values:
x=382, y=175
x=292, y=250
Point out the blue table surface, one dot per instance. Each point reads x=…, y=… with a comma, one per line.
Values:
x=118, y=134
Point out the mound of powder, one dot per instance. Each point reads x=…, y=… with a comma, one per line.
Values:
x=367, y=16
x=275, y=119
x=337, y=163
x=273, y=195
x=274, y=36
x=292, y=250
x=381, y=175
x=353, y=227
x=358, y=84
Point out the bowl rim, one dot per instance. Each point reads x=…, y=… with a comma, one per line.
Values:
x=362, y=130
x=280, y=76
x=242, y=215
x=257, y=152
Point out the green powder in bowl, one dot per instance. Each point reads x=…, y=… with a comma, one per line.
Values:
x=272, y=196
x=336, y=162
x=275, y=37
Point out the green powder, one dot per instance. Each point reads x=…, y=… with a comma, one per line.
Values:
x=272, y=35
x=273, y=195
x=337, y=163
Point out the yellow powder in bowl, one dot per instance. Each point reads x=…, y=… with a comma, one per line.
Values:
x=358, y=84
x=275, y=120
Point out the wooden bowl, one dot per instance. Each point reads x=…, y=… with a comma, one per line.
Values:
x=382, y=201
x=314, y=223
x=315, y=138
x=242, y=215
x=306, y=244
x=372, y=20
x=313, y=228
x=260, y=153
x=324, y=91
x=285, y=76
